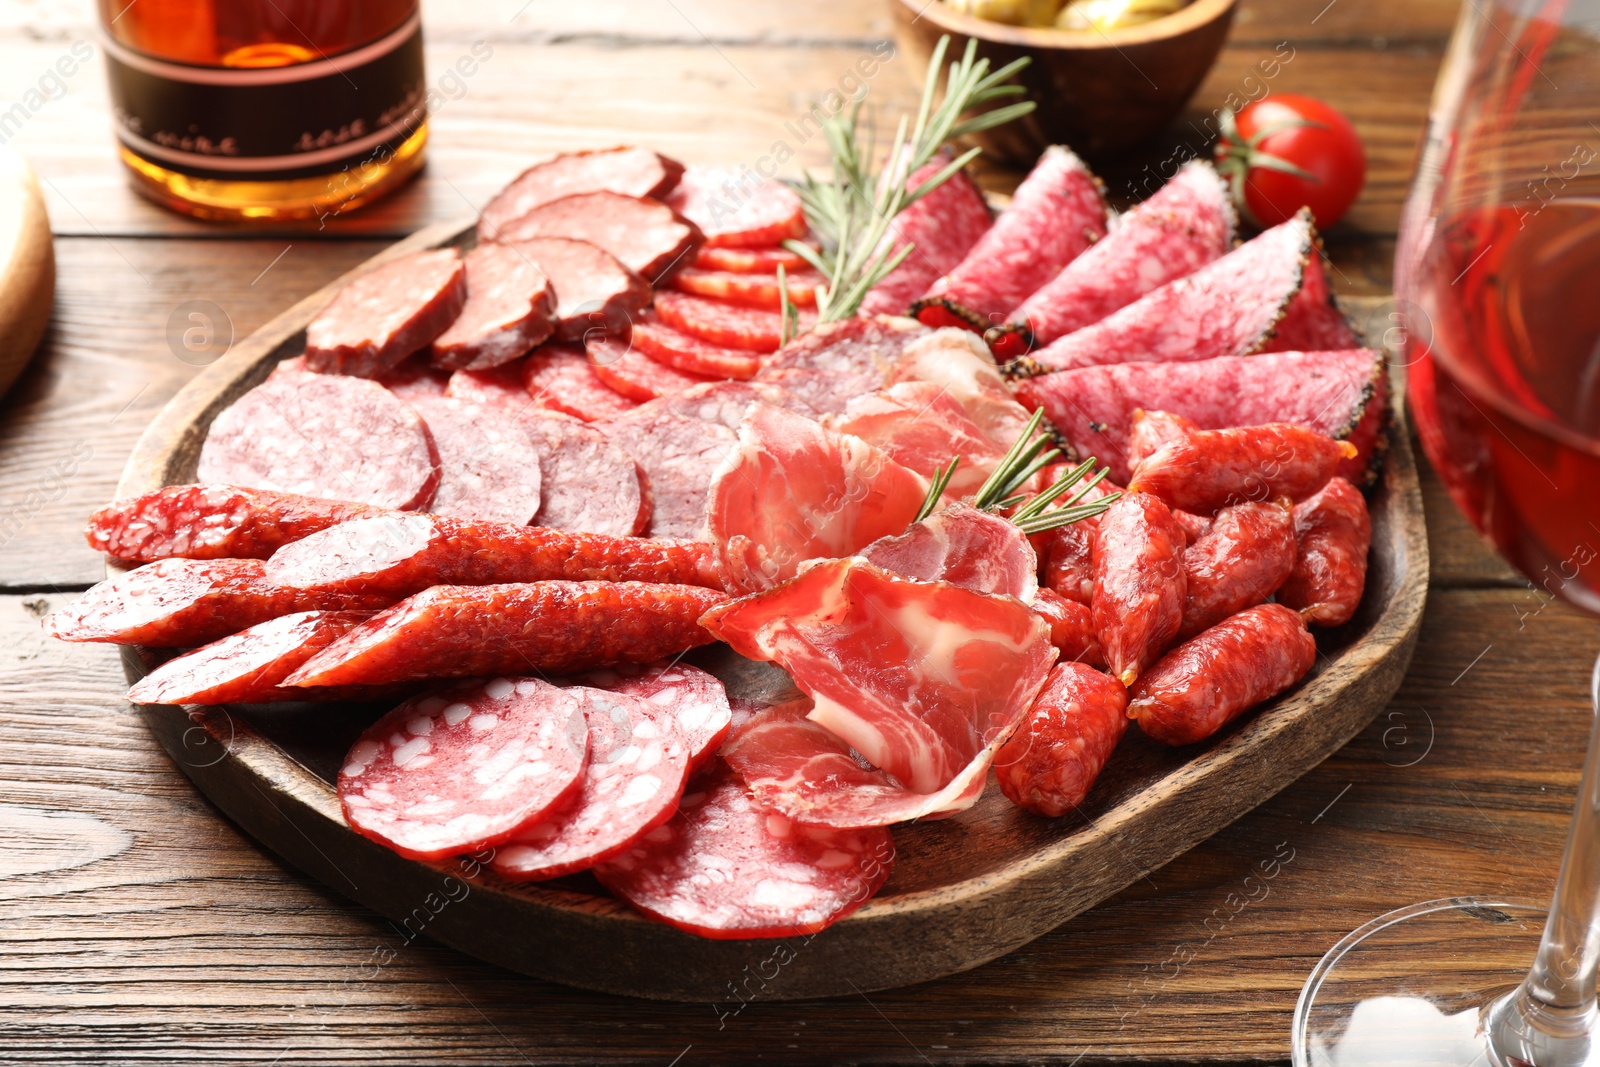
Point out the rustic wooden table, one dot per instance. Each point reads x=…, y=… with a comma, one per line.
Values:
x=137, y=924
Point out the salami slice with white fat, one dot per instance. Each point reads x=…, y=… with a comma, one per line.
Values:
x=510, y=308
x=414, y=379
x=323, y=435
x=735, y=208
x=466, y=766
x=594, y=292
x=489, y=469
x=679, y=455
x=725, y=869
x=637, y=769
x=383, y=316
x=646, y=236
x=694, y=702
x=588, y=483
x=633, y=171
x=560, y=378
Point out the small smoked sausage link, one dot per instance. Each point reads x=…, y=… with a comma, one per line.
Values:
x=1139, y=583
x=1152, y=429
x=1334, y=533
x=1205, y=683
x=1071, y=628
x=1050, y=763
x=1211, y=469
x=1066, y=556
x=1241, y=559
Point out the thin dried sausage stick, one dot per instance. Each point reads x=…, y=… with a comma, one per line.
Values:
x=1049, y=765
x=1334, y=533
x=1211, y=469
x=213, y=522
x=1241, y=559
x=1139, y=583
x=1150, y=430
x=1071, y=628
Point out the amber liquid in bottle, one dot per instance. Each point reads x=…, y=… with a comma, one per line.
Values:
x=266, y=109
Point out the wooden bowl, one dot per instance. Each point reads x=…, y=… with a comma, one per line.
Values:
x=1101, y=94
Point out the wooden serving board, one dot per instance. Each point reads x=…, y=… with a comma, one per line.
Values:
x=963, y=891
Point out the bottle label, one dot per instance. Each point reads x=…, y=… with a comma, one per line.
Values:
x=270, y=123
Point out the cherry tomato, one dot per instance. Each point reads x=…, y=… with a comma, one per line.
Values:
x=1285, y=151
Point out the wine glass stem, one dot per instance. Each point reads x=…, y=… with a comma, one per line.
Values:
x=1550, y=1020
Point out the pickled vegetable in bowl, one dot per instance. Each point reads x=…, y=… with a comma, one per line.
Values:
x=1099, y=15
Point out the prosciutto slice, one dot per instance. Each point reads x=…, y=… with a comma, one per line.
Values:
x=963, y=546
x=922, y=425
x=921, y=678
x=792, y=491
x=959, y=363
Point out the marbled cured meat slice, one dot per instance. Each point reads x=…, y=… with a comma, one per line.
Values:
x=213, y=522
x=645, y=236
x=1342, y=394
x=1314, y=322
x=736, y=208
x=632, y=171
x=942, y=228
x=1185, y=225
x=922, y=426
x=921, y=678
x=464, y=767
x=595, y=293
x=635, y=375
x=560, y=378
x=792, y=491
x=958, y=363
x=680, y=455
x=963, y=546
x=751, y=290
x=723, y=868
x=382, y=317
x=725, y=403
x=489, y=468
x=1226, y=308
x=636, y=772
x=510, y=308
x=835, y=362
x=413, y=379
x=1057, y=213
x=588, y=483
x=694, y=702
x=323, y=435
x=684, y=352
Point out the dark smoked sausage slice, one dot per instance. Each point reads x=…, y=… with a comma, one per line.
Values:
x=489, y=467
x=383, y=316
x=509, y=309
x=560, y=378
x=213, y=522
x=634, y=171
x=323, y=435
x=464, y=767
x=594, y=292
x=646, y=236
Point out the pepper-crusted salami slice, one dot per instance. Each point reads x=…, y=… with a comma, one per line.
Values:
x=1226, y=308
x=1341, y=394
x=560, y=378
x=489, y=468
x=1152, y=429
x=736, y=208
x=942, y=228
x=1058, y=212
x=212, y=522
x=636, y=773
x=694, y=703
x=1202, y=685
x=1334, y=533
x=749, y=260
x=1071, y=628
x=399, y=555
x=182, y=603
x=1051, y=762
x=1211, y=469
x=721, y=323
x=323, y=435
x=646, y=236
x=1240, y=560
x=454, y=631
x=752, y=290
x=680, y=455
x=588, y=484
x=1188, y=223
x=633, y=374
x=631, y=171
x=722, y=868
x=684, y=352
x=382, y=317
x=594, y=291
x=1313, y=322
x=464, y=767
x=509, y=309
x=249, y=667
x=1139, y=583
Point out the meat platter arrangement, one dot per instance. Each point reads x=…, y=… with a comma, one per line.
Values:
x=1063, y=470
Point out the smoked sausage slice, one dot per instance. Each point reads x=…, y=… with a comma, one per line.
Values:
x=510, y=308
x=382, y=317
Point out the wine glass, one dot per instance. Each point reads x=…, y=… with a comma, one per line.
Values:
x=1498, y=285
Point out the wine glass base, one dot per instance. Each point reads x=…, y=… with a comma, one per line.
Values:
x=1373, y=1000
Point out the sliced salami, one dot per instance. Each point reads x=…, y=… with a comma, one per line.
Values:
x=721, y=323
x=723, y=868
x=825, y=392
x=751, y=290
x=495, y=387
x=633, y=374
x=645, y=236
x=942, y=227
x=1314, y=322
x=631, y=171
x=594, y=291
x=1058, y=212
x=685, y=352
x=679, y=454
x=464, y=767
x=636, y=772
x=1188, y=223
x=726, y=402
x=323, y=435
x=560, y=378
x=1226, y=308
x=1342, y=394
x=589, y=485
x=212, y=522
x=737, y=208
x=749, y=260
x=694, y=702
x=383, y=316
x=489, y=468
x=510, y=308
x=414, y=379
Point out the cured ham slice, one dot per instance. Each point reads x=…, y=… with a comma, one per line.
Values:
x=792, y=491
x=958, y=362
x=922, y=425
x=921, y=678
x=963, y=546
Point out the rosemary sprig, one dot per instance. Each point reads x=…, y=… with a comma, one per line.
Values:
x=852, y=211
x=936, y=487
